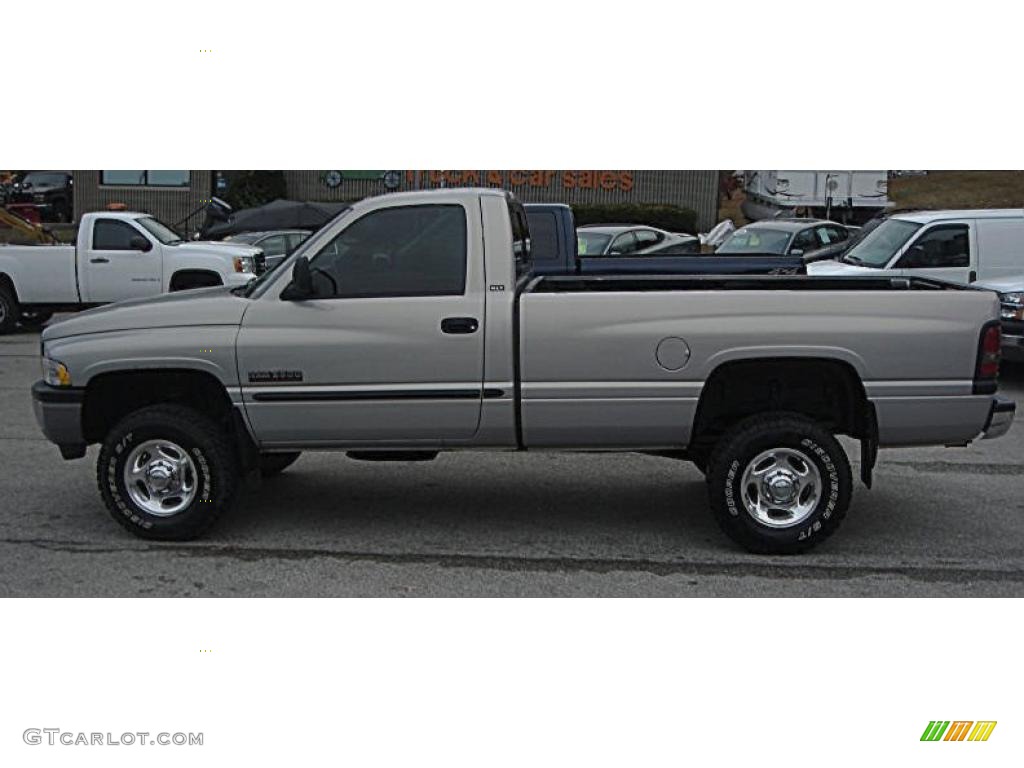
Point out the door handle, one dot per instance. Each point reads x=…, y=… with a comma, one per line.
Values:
x=99, y=260
x=460, y=325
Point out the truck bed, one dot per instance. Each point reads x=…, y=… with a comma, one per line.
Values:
x=602, y=367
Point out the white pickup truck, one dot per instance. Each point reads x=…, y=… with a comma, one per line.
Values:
x=118, y=256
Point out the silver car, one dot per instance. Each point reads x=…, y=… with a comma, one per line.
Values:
x=276, y=244
x=630, y=240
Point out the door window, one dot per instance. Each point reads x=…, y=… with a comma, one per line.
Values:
x=804, y=241
x=274, y=245
x=113, y=235
x=295, y=240
x=417, y=250
x=943, y=246
x=624, y=244
x=647, y=238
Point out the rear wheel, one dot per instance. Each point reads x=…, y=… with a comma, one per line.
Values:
x=9, y=311
x=275, y=463
x=167, y=472
x=779, y=483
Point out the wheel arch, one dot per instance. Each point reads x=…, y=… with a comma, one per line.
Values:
x=828, y=390
x=201, y=278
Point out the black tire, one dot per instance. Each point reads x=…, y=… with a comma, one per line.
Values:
x=209, y=449
x=275, y=463
x=34, y=319
x=745, y=442
x=9, y=310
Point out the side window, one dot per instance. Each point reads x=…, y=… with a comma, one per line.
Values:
x=647, y=238
x=838, y=234
x=543, y=235
x=112, y=235
x=804, y=241
x=945, y=245
x=417, y=250
x=274, y=246
x=623, y=244
x=295, y=240
x=826, y=235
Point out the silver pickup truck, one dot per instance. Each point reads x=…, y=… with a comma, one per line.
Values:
x=411, y=325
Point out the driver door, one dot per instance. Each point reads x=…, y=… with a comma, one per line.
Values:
x=391, y=350
x=114, y=268
x=941, y=252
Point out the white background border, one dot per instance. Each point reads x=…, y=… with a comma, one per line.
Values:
x=525, y=84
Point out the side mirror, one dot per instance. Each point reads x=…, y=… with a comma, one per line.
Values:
x=139, y=243
x=796, y=251
x=301, y=286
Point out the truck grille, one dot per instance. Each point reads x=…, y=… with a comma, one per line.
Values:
x=259, y=263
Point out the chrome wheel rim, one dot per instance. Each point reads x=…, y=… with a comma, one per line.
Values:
x=160, y=477
x=781, y=487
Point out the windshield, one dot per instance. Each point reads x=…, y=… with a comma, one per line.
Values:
x=44, y=179
x=160, y=231
x=756, y=241
x=881, y=243
x=591, y=242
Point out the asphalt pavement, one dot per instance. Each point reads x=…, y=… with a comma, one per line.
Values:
x=943, y=522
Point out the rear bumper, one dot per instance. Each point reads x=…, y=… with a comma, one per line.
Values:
x=58, y=412
x=1000, y=418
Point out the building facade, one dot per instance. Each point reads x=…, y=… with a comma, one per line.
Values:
x=175, y=196
x=697, y=190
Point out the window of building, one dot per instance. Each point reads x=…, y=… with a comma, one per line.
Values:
x=146, y=178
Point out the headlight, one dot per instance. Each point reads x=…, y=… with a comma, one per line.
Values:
x=243, y=263
x=55, y=373
x=1011, y=305
x=1016, y=298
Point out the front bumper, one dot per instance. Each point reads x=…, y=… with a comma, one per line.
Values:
x=1013, y=347
x=58, y=412
x=1000, y=417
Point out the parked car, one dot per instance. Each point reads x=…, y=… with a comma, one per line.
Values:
x=275, y=244
x=412, y=325
x=50, y=192
x=555, y=243
x=1011, y=314
x=957, y=246
x=118, y=256
x=628, y=240
x=790, y=237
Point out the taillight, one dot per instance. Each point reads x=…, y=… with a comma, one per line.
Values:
x=987, y=370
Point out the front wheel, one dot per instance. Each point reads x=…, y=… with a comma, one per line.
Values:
x=167, y=472
x=779, y=483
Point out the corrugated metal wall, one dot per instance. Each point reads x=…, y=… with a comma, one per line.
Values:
x=690, y=189
x=169, y=204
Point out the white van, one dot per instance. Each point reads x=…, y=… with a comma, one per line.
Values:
x=957, y=246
